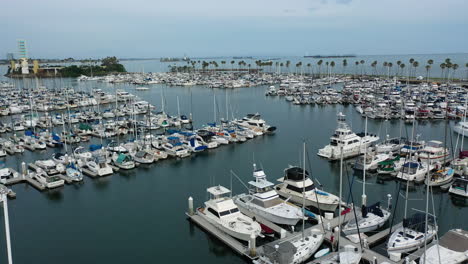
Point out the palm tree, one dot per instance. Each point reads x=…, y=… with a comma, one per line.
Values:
x=332, y=65
x=362, y=66
x=428, y=67
x=345, y=63
x=449, y=66
x=373, y=65
x=319, y=63
x=390, y=65
x=327, y=64
x=385, y=65
x=287, y=65
x=402, y=66
x=308, y=67
x=281, y=66
x=466, y=66
x=442, y=67
x=232, y=65
x=356, y=63
x=398, y=68
x=454, y=67
x=415, y=66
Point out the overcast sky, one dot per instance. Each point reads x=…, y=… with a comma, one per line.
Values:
x=154, y=28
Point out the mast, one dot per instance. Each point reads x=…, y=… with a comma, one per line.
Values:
x=4, y=198
x=407, y=178
x=341, y=194
x=427, y=212
x=364, y=196
x=303, y=191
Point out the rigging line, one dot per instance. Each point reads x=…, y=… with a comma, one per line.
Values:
x=397, y=189
x=316, y=196
x=354, y=211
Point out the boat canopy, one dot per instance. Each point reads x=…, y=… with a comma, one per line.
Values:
x=122, y=157
x=295, y=174
x=95, y=147
x=375, y=209
x=411, y=165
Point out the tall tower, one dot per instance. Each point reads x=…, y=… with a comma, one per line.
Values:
x=22, y=51
x=23, y=55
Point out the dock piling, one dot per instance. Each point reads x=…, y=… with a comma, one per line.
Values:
x=252, y=246
x=23, y=168
x=190, y=205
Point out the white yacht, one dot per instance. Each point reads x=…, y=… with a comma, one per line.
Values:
x=452, y=248
x=293, y=185
x=143, y=157
x=123, y=161
x=223, y=213
x=413, y=171
x=256, y=123
x=461, y=128
x=371, y=163
x=459, y=187
x=99, y=166
x=6, y=174
x=389, y=145
x=347, y=254
x=352, y=144
x=265, y=202
x=49, y=181
x=369, y=219
x=433, y=152
x=411, y=235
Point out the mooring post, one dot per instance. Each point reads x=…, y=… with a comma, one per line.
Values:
x=190, y=205
x=23, y=168
x=252, y=247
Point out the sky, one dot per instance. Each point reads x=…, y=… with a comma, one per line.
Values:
x=197, y=28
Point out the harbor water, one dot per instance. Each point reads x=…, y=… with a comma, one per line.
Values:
x=138, y=215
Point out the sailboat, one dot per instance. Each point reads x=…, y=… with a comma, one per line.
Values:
x=296, y=249
x=452, y=248
x=348, y=254
x=371, y=217
x=416, y=230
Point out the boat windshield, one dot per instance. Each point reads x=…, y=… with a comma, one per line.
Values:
x=299, y=189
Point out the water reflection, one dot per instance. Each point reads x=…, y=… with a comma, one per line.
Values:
x=101, y=183
x=54, y=195
x=459, y=201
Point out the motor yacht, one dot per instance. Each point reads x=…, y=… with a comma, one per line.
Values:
x=222, y=213
x=414, y=171
x=352, y=144
x=263, y=200
x=295, y=185
x=459, y=187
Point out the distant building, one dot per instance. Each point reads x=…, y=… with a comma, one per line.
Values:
x=10, y=56
x=23, y=55
x=22, y=50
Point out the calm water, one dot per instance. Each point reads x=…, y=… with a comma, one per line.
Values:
x=138, y=216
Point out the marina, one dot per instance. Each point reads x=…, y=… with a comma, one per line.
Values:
x=101, y=140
